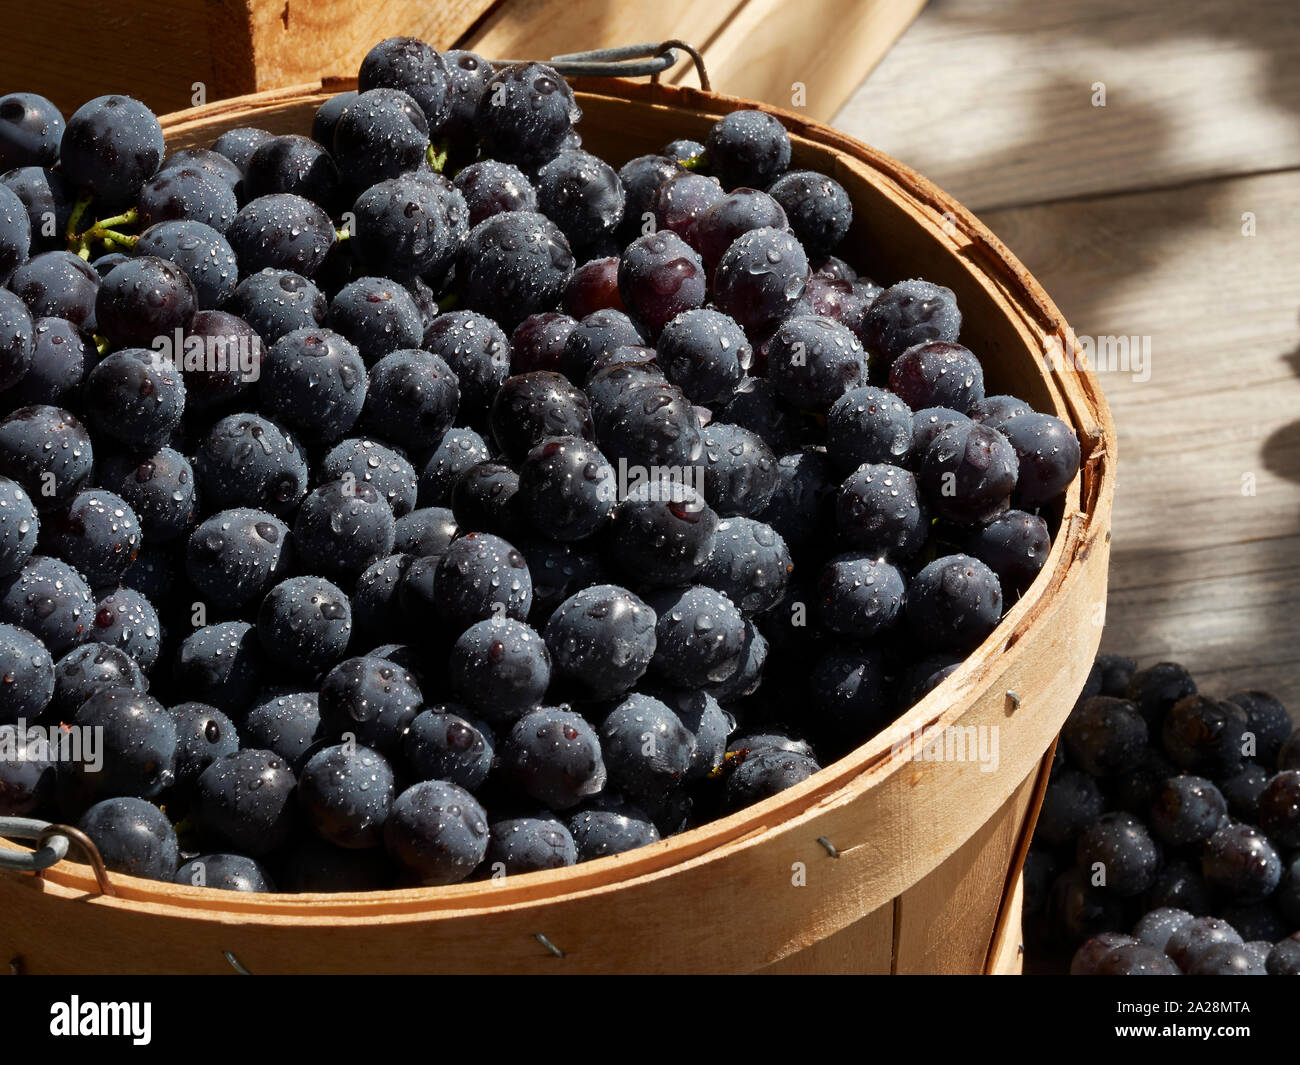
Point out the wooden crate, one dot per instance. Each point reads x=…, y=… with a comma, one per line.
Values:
x=879, y=863
x=755, y=48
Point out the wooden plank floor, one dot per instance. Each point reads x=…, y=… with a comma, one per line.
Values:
x=1131, y=216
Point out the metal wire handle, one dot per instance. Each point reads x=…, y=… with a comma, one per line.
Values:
x=626, y=61
x=52, y=845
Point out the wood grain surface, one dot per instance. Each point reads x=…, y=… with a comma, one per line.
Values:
x=992, y=99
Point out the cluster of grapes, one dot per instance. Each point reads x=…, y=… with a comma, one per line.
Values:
x=1169, y=838
x=556, y=509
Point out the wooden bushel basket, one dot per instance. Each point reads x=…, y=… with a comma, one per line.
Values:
x=883, y=862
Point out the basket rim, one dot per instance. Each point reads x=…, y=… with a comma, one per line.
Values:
x=1077, y=396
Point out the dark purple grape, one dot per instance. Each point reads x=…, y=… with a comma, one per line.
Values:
x=938, y=373
x=532, y=407
x=968, y=473
x=15, y=233
x=1014, y=545
x=48, y=452
x=19, y=527
x=659, y=277
x=601, y=641
x=98, y=535
x=704, y=353
x=538, y=342
x=529, y=844
x=582, y=195
x=58, y=284
x=239, y=144
x=314, y=382
x=1105, y=736
x=1205, y=735
x=246, y=800
x=864, y=424
x=282, y=231
x=408, y=64
x=859, y=596
x=135, y=398
x=381, y=134
x=345, y=793
x=201, y=252
x=662, y=531
x=683, y=150
x=1187, y=810
x=144, y=299
x=748, y=148
x=1190, y=941
x=906, y=314
x=133, y=837
x=111, y=147
x=412, y=399
x=469, y=74
x=377, y=315
x=1155, y=689
x=749, y=563
x=342, y=527
x=276, y=302
x=1267, y=721
x=593, y=287
x=327, y=118
x=596, y=335
x=188, y=194
x=727, y=216
x=31, y=130
x=1284, y=958
x=1048, y=454
x=459, y=450
x=491, y=186
x=1136, y=959
x=1155, y=927
x=477, y=351
x=125, y=619
x=554, y=756
x=248, y=460
x=296, y=164
x=1119, y=854
x=1071, y=802
x=410, y=226
x=525, y=114
x=1241, y=863
x=740, y=473
x=235, y=556
x=16, y=339
x=682, y=201
x=764, y=774
x=954, y=603
x=819, y=210
x=567, y=488
x=1088, y=959
x=515, y=264
x=759, y=278
x=1243, y=789
x=482, y=576
x=803, y=499
x=1227, y=959
x=48, y=197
